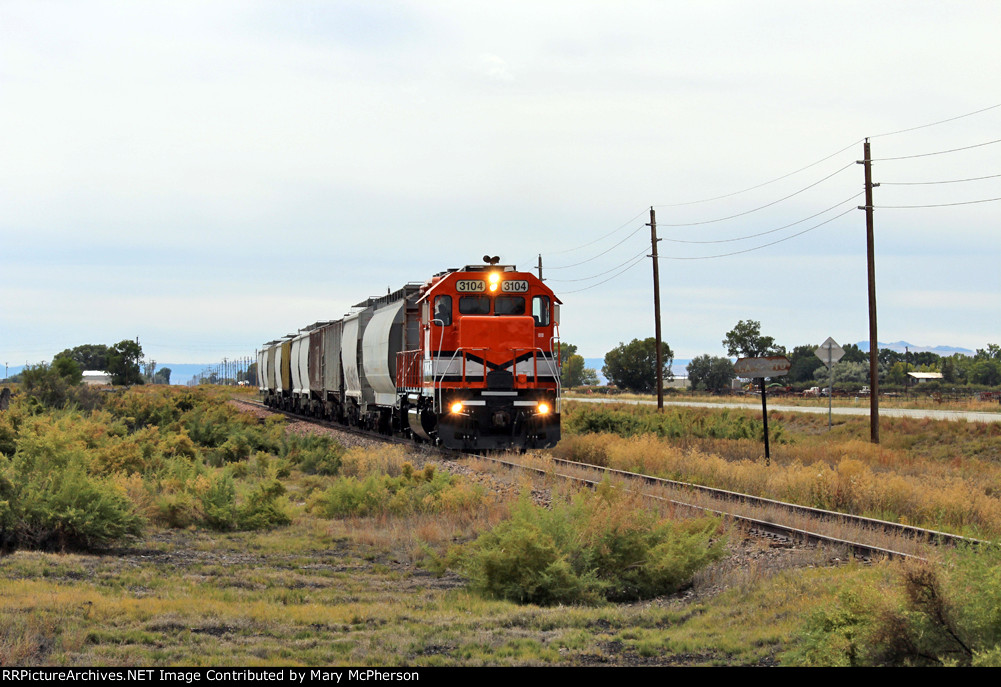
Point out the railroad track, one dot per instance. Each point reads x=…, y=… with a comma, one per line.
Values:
x=865, y=538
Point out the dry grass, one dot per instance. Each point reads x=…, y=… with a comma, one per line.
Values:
x=931, y=473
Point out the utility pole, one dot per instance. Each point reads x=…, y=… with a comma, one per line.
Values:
x=871, y=261
x=540, y=266
x=656, y=309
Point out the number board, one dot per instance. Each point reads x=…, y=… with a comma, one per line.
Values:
x=470, y=285
x=515, y=286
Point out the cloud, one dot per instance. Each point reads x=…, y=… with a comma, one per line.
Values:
x=494, y=68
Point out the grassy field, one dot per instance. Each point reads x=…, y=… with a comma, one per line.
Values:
x=258, y=547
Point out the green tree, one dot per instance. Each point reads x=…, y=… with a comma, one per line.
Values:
x=992, y=352
x=898, y=373
x=69, y=370
x=162, y=376
x=574, y=373
x=853, y=354
x=123, y=363
x=855, y=373
x=88, y=356
x=746, y=341
x=802, y=363
x=986, y=372
x=711, y=373
x=889, y=357
x=567, y=350
x=633, y=366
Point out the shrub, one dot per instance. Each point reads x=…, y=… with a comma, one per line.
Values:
x=424, y=491
x=315, y=454
x=264, y=507
x=595, y=546
x=936, y=615
x=45, y=385
x=219, y=503
x=48, y=501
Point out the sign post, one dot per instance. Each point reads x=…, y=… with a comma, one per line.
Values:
x=760, y=368
x=829, y=353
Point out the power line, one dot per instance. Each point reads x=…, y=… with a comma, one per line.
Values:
x=928, y=183
x=766, y=183
x=770, y=231
x=599, y=274
x=938, y=205
x=944, y=121
x=824, y=159
x=636, y=262
x=600, y=238
x=768, y=205
x=563, y=267
x=765, y=245
x=940, y=152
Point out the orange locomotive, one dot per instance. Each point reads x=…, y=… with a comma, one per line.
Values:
x=486, y=373
x=468, y=360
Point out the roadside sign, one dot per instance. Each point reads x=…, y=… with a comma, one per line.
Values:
x=829, y=352
x=770, y=366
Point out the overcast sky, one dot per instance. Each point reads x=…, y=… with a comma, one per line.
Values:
x=208, y=176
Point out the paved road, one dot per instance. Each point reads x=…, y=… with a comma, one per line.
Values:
x=861, y=410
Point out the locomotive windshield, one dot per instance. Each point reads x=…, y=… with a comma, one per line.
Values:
x=474, y=305
x=509, y=305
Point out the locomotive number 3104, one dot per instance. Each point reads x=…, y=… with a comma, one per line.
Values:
x=515, y=286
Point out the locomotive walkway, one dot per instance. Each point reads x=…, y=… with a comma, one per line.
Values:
x=861, y=410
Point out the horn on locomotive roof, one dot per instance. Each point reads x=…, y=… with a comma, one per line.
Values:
x=491, y=261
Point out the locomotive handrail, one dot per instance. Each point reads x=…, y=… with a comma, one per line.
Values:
x=437, y=382
x=550, y=359
x=554, y=348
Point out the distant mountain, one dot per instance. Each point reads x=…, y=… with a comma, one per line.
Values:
x=903, y=346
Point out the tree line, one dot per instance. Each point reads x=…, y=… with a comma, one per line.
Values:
x=122, y=361
x=632, y=366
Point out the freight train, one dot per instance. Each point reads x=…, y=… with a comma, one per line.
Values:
x=467, y=360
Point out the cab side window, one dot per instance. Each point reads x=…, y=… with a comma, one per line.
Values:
x=540, y=311
x=443, y=310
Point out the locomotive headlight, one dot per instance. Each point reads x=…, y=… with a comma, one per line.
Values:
x=494, y=280
x=543, y=408
x=457, y=407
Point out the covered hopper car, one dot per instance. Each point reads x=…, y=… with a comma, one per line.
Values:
x=467, y=360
